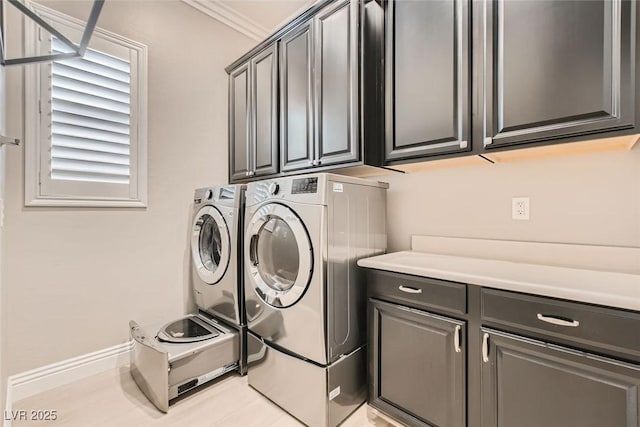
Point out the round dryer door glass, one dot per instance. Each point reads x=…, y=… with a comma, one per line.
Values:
x=210, y=244
x=278, y=252
x=278, y=256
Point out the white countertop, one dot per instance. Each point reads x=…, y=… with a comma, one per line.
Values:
x=597, y=287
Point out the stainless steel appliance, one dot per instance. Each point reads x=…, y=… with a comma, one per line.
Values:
x=171, y=358
x=305, y=296
x=216, y=237
x=166, y=369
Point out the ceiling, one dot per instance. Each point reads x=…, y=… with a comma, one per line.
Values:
x=268, y=13
x=254, y=18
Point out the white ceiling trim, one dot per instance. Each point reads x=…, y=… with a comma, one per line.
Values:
x=230, y=17
x=304, y=6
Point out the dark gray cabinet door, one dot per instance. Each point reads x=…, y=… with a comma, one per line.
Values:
x=427, y=77
x=552, y=69
x=337, y=83
x=264, y=67
x=418, y=363
x=296, y=97
x=527, y=383
x=239, y=123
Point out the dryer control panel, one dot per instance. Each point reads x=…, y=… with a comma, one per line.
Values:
x=304, y=185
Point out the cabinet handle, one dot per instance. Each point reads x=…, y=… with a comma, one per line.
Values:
x=311, y=163
x=558, y=321
x=246, y=173
x=318, y=162
x=410, y=290
x=485, y=348
x=456, y=339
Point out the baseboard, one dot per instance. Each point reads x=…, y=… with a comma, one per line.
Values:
x=20, y=386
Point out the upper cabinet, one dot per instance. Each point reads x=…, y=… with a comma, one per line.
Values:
x=320, y=95
x=553, y=69
x=253, y=117
x=337, y=91
x=319, y=79
x=296, y=98
x=239, y=123
x=427, y=61
x=385, y=82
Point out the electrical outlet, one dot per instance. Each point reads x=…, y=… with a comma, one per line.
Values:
x=520, y=208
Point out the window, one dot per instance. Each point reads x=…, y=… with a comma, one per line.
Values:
x=85, y=136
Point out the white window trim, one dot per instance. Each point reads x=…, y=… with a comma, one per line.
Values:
x=33, y=144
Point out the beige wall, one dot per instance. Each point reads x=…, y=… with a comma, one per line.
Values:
x=75, y=277
x=586, y=199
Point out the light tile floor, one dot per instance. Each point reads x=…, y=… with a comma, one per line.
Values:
x=112, y=399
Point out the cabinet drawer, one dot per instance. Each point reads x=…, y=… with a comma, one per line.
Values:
x=419, y=292
x=599, y=327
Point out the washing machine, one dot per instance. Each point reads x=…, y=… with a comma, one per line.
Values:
x=171, y=358
x=216, y=237
x=305, y=295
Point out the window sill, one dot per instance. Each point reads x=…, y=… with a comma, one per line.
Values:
x=85, y=203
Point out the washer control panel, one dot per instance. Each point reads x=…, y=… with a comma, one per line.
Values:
x=304, y=185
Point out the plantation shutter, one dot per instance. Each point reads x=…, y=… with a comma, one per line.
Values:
x=90, y=118
x=85, y=118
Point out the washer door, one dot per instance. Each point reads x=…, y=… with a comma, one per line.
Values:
x=279, y=258
x=210, y=245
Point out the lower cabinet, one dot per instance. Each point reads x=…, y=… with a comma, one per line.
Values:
x=530, y=383
x=418, y=364
x=503, y=358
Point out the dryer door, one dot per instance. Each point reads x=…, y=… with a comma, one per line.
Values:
x=210, y=244
x=279, y=258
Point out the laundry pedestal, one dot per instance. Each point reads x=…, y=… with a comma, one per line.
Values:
x=200, y=350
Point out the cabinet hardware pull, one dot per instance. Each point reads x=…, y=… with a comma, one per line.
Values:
x=456, y=339
x=558, y=321
x=485, y=348
x=310, y=162
x=409, y=289
x=246, y=173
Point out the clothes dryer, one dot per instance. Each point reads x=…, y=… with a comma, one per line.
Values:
x=305, y=295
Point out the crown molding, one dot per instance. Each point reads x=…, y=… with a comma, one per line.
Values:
x=303, y=7
x=231, y=18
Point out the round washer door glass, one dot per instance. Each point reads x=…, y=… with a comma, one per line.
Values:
x=210, y=244
x=279, y=256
